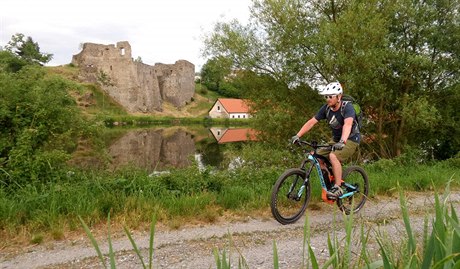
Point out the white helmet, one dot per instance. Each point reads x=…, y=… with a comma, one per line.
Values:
x=332, y=88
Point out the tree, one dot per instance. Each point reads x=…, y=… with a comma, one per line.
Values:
x=396, y=57
x=39, y=124
x=27, y=50
x=215, y=71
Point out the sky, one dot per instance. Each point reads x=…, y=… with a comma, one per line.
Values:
x=159, y=31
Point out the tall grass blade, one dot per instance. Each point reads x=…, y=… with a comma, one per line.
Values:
x=136, y=249
x=217, y=258
x=152, y=236
x=224, y=260
x=333, y=259
x=439, y=230
x=349, y=231
x=332, y=250
x=111, y=252
x=446, y=262
x=364, y=239
x=411, y=239
x=306, y=241
x=383, y=253
x=314, y=262
x=428, y=253
x=456, y=233
x=374, y=265
x=93, y=241
x=275, y=256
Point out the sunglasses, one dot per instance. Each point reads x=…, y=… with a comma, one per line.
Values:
x=330, y=96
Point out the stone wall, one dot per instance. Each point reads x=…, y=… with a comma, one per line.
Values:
x=136, y=86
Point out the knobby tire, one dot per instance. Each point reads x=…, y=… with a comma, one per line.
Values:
x=354, y=175
x=285, y=208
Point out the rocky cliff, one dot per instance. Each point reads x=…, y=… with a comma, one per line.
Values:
x=136, y=86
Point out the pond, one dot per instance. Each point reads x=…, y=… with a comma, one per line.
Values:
x=161, y=149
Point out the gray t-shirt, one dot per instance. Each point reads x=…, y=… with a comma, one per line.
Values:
x=336, y=121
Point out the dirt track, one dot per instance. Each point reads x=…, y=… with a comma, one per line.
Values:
x=193, y=247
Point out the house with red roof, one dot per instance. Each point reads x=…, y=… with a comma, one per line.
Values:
x=230, y=108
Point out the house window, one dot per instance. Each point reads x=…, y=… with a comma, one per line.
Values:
x=218, y=132
x=238, y=116
x=244, y=116
x=218, y=108
x=233, y=116
x=122, y=51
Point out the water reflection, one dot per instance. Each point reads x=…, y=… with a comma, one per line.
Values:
x=226, y=135
x=153, y=149
x=161, y=149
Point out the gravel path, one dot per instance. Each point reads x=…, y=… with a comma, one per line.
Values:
x=193, y=247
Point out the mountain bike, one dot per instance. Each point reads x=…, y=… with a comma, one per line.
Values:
x=291, y=192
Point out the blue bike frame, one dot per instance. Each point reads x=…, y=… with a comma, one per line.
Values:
x=315, y=161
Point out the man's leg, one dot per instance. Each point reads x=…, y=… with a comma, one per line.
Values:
x=336, y=158
x=336, y=168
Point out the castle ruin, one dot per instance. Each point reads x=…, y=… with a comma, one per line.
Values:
x=138, y=87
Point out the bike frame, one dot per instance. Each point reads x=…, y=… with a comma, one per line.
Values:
x=315, y=163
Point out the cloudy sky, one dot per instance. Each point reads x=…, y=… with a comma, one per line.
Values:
x=158, y=30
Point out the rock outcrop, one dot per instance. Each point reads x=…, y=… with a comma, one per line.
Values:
x=136, y=86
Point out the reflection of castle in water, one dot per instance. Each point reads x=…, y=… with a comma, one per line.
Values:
x=226, y=135
x=153, y=150
x=167, y=148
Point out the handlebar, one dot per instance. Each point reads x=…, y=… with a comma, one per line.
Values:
x=313, y=144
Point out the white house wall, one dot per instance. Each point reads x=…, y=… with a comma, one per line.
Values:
x=218, y=111
x=239, y=115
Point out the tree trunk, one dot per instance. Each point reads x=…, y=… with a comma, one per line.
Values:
x=380, y=121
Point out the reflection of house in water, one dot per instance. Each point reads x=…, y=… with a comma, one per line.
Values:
x=226, y=135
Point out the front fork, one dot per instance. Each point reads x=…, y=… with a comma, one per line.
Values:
x=306, y=179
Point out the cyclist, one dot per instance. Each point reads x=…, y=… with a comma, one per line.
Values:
x=345, y=132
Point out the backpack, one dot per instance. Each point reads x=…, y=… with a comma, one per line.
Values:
x=358, y=111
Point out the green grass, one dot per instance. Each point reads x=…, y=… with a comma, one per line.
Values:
x=51, y=207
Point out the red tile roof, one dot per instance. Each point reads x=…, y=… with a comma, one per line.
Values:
x=234, y=105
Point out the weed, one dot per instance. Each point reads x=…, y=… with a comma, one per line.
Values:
x=37, y=238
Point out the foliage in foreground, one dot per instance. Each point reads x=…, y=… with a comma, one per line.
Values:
x=437, y=247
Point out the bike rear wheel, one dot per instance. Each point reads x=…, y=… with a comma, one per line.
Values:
x=288, y=200
x=357, y=178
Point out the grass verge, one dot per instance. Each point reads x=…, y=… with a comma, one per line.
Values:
x=50, y=209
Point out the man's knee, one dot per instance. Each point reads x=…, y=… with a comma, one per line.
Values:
x=333, y=157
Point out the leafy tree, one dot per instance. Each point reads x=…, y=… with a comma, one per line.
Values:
x=39, y=124
x=215, y=71
x=395, y=56
x=10, y=62
x=27, y=50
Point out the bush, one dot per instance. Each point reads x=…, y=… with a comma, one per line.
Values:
x=39, y=124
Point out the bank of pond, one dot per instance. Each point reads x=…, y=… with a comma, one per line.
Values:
x=181, y=176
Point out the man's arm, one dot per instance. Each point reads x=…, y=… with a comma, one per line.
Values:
x=348, y=124
x=307, y=126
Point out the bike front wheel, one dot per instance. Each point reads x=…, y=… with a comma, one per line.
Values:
x=357, y=183
x=290, y=196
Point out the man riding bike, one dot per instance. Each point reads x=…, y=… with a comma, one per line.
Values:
x=345, y=132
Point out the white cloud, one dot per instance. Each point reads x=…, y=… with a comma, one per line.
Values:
x=158, y=30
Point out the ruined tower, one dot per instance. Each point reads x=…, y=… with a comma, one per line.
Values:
x=136, y=86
